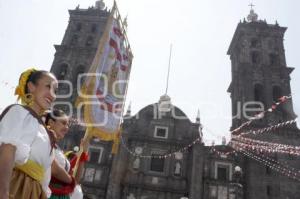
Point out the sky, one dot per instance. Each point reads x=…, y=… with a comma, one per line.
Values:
x=200, y=32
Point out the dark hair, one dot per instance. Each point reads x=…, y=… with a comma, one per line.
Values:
x=53, y=115
x=34, y=77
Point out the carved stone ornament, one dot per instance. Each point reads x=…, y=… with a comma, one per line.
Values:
x=138, y=150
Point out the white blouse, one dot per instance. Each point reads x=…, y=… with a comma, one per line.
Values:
x=61, y=159
x=19, y=128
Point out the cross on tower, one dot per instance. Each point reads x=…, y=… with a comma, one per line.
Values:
x=251, y=5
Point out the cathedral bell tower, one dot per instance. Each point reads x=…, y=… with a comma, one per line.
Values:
x=260, y=75
x=74, y=56
x=78, y=48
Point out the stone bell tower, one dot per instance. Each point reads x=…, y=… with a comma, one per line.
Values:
x=75, y=54
x=260, y=75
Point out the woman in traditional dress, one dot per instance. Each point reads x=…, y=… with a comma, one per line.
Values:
x=58, y=121
x=26, y=157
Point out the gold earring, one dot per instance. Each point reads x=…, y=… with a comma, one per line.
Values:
x=28, y=99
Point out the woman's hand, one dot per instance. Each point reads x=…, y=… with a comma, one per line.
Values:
x=84, y=144
x=60, y=173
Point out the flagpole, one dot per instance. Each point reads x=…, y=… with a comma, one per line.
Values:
x=169, y=69
x=93, y=69
x=86, y=138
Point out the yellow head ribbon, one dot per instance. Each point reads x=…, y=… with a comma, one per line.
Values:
x=20, y=89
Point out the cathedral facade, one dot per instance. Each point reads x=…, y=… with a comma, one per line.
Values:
x=162, y=154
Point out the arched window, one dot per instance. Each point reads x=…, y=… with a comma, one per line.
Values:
x=274, y=59
x=63, y=70
x=276, y=93
x=94, y=28
x=78, y=27
x=259, y=93
x=62, y=77
x=255, y=57
x=254, y=43
x=269, y=190
x=74, y=40
x=80, y=70
x=89, y=41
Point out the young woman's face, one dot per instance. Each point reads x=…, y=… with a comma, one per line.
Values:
x=60, y=126
x=44, y=91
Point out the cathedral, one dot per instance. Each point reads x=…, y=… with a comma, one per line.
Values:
x=162, y=154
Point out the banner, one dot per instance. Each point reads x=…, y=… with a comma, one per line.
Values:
x=102, y=95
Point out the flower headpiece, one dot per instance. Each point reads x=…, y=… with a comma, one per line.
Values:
x=20, y=89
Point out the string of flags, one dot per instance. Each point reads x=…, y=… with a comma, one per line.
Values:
x=271, y=144
x=268, y=148
x=268, y=129
x=284, y=163
x=260, y=115
x=163, y=156
x=222, y=153
x=245, y=145
x=283, y=169
x=288, y=149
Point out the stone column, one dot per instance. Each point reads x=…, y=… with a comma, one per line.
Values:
x=196, y=182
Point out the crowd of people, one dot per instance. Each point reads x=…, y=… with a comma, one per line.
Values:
x=31, y=163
